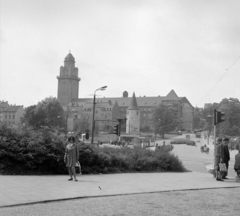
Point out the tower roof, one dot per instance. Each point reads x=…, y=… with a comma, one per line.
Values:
x=133, y=103
x=69, y=58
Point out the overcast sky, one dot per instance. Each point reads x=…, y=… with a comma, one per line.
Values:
x=147, y=47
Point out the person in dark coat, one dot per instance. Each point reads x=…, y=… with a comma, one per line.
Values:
x=226, y=155
x=71, y=158
x=218, y=159
x=237, y=165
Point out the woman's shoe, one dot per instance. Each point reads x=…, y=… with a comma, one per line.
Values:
x=70, y=179
x=76, y=180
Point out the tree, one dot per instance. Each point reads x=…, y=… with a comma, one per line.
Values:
x=81, y=125
x=48, y=112
x=164, y=120
x=196, y=122
x=231, y=125
x=145, y=128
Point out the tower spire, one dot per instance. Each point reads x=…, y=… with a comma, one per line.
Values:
x=133, y=103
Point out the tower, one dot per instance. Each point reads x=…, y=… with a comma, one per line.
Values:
x=68, y=81
x=133, y=117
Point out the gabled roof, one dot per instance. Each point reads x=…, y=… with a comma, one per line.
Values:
x=12, y=109
x=184, y=99
x=171, y=96
x=133, y=103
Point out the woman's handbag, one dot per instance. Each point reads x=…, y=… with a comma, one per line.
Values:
x=77, y=164
x=222, y=167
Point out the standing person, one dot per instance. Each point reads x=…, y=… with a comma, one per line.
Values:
x=71, y=157
x=237, y=165
x=226, y=156
x=218, y=158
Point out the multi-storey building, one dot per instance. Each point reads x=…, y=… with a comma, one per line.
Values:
x=106, y=113
x=3, y=105
x=12, y=115
x=68, y=82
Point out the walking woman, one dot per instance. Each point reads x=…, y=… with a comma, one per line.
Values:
x=71, y=157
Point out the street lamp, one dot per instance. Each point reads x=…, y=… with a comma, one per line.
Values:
x=68, y=111
x=93, y=115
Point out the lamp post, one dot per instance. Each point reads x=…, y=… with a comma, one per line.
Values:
x=93, y=114
x=67, y=118
x=209, y=122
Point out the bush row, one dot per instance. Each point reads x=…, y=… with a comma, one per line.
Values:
x=111, y=160
x=27, y=151
x=183, y=141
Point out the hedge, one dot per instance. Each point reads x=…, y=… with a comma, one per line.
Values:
x=27, y=151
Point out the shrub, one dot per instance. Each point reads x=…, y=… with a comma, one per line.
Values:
x=183, y=141
x=111, y=160
x=28, y=151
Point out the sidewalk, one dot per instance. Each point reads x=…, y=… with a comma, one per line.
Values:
x=18, y=190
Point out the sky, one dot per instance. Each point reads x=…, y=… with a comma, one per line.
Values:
x=144, y=46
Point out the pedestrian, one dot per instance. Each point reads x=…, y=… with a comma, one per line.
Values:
x=218, y=159
x=237, y=166
x=226, y=156
x=71, y=157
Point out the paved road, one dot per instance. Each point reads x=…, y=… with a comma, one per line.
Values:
x=192, y=158
x=195, y=160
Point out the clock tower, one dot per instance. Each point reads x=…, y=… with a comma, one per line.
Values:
x=68, y=81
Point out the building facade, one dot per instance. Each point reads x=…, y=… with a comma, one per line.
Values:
x=68, y=86
x=3, y=106
x=12, y=115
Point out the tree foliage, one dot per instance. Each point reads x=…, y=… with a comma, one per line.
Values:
x=81, y=125
x=196, y=122
x=231, y=125
x=48, y=112
x=164, y=119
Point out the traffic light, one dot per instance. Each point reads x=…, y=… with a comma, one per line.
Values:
x=218, y=117
x=116, y=130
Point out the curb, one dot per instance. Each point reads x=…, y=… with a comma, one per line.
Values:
x=124, y=194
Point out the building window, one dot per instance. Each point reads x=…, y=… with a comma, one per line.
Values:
x=13, y=116
x=9, y=116
x=137, y=112
x=5, y=116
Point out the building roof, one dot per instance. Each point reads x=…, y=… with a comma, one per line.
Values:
x=133, y=103
x=184, y=99
x=125, y=101
x=69, y=57
x=12, y=109
x=171, y=96
x=144, y=101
